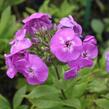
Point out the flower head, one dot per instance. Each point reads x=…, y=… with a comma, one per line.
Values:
x=89, y=52
x=65, y=45
x=15, y=63
x=37, y=21
x=30, y=66
x=69, y=22
x=36, y=72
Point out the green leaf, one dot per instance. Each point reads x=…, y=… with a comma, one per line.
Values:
x=4, y=104
x=8, y=33
x=46, y=104
x=66, y=9
x=43, y=91
x=49, y=104
x=59, y=84
x=18, y=98
x=1, y=4
x=102, y=103
x=106, y=22
x=73, y=103
x=48, y=8
x=44, y=6
x=97, y=86
x=5, y=18
x=22, y=107
x=15, y=2
x=21, y=82
x=30, y=10
x=63, y=107
x=102, y=62
x=97, y=26
x=106, y=96
x=79, y=89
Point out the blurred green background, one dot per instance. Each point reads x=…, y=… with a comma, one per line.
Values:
x=93, y=15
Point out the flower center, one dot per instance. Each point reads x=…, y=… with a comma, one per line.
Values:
x=31, y=72
x=21, y=55
x=84, y=54
x=68, y=44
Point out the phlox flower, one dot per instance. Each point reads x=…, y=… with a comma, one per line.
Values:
x=89, y=52
x=36, y=22
x=65, y=45
x=29, y=65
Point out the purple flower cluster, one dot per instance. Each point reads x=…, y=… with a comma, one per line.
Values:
x=65, y=44
x=20, y=60
x=68, y=47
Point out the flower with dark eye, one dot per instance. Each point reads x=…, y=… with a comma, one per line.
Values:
x=65, y=45
x=36, y=71
x=89, y=52
x=29, y=65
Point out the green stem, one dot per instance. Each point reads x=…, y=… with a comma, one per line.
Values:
x=57, y=73
x=58, y=77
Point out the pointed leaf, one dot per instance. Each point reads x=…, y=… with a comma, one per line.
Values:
x=4, y=104
x=18, y=98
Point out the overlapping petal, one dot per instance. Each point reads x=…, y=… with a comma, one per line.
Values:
x=69, y=22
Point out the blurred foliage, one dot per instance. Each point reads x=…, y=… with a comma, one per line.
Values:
x=5, y=3
x=4, y=103
x=63, y=10
x=90, y=88
x=8, y=26
x=98, y=28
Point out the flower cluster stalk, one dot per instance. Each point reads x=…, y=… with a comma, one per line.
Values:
x=58, y=77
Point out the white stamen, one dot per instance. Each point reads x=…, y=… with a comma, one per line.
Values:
x=31, y=72
x=69, y=47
